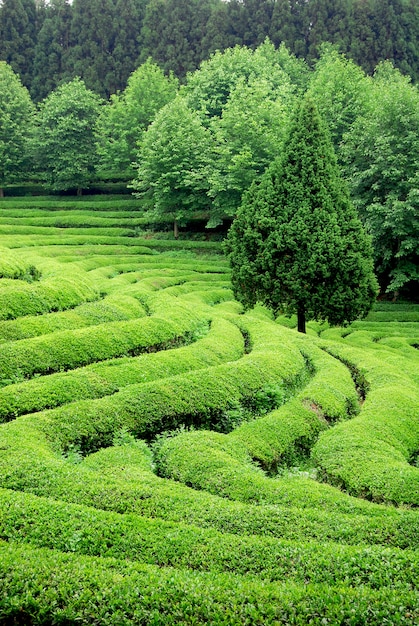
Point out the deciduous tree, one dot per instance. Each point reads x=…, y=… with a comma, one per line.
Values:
x=16, y=119
x=64, y=141
x=381, y=162
x=128, y=115
x=297, y=244
x=172, y=162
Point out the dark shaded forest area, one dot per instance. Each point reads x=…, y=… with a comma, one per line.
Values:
x=103, y=41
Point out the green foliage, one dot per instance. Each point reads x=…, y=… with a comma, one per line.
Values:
x=51, y=294
x=92, y=38
x=18, y=33
x=51, y=50
x=248, y=137
x=67, y=349
x=123, y=121
x=172, y=162
x=173, y=34
x=91, y=532
x=375, y=448
x=381, y=152
x=296, y=244
x=56, y=586
x=16, y=119
x=64, y=137
x=340, y=89
x=12, y=266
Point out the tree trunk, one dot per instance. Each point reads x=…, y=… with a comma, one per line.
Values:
x=1, y=192
x=176, y=229
x=301, y=321
x=79, y=191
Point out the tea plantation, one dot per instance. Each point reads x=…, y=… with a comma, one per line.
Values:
x=166, y=458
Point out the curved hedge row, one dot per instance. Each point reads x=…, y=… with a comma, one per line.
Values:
x=55, y=587
x=221, y=464
x=370, y=455
x=13, y=266
x=74, y=348
x=54, y=293
x=110, y=309
x=83, y=530
x=224, y=342
x=147, y=549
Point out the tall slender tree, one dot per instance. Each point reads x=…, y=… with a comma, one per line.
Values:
x=16, y=119
x=92, y=43
x=18, y=36
x=64, y=141
x=51, y=49
x=129, y=15
x=297, y=244
x=172, y=33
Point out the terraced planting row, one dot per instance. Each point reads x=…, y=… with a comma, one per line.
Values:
x=166, y=458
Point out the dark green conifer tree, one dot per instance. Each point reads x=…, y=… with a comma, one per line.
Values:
x=51, y=49
x=92, y=42
x=327, y=21
x=297, y=244
x=289, y=26
x=258, y=21
x=172, y=34
x=129, y=15
x=18, y=19
x=219, y=33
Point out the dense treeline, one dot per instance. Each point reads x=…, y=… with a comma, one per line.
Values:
x=199, y=146
x=103, y=41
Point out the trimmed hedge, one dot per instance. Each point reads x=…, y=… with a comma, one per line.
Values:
x=110, y=309
x=13, y=266
x=87, y=531
x=222, y=464
x=224, y=342
x=113, y=480
x=198, y=397
x=48, y=587
x=369, y=456
x=74, y=348
x=54, y=293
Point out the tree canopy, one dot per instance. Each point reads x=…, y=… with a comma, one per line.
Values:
x=128, y=115
x=173, y=157
x=297, y=244
x=381, y=159
x=64, y=139
x=16, y=119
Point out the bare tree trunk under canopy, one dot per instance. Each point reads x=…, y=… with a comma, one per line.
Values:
x=301, y=320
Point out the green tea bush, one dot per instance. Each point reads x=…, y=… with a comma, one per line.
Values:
x=110, y=309
x=51, y=294
x=223, y=342
x=12, y=266
x=238, y=527
x=69, y=349
x=55, y=587
x=283, y=435
x=86, y=531
x=369, y=456
x=112, y=480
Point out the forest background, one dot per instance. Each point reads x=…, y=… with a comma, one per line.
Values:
x=190, y=101
x=104, y=41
